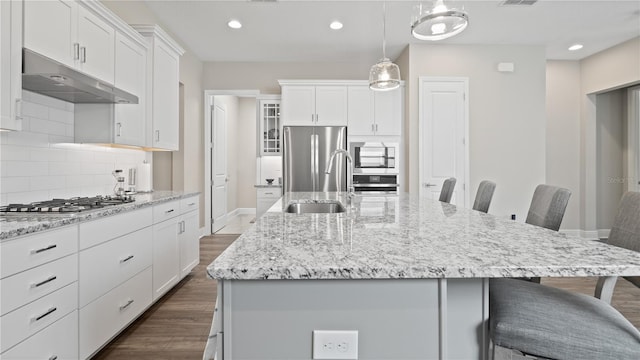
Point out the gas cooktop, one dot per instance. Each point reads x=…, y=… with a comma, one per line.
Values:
x=72, y=205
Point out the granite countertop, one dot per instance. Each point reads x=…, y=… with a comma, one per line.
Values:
x=13, y=225
x=403, y=236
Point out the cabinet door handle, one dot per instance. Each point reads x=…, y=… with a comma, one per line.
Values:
x=169, y=211
x=157, y=135
x=376, y=125
x=45, y=314
x=312, y=118
x=47, y=248
x=129, y=302
x=47, y=280
x=18, y=109
x=83, y=54
x=119, y=132
x=76, y=51
x=191, y=204
x=53, y=357
x=126, y=259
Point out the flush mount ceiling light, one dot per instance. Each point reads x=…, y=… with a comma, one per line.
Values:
x=234, y=24
x=439, y=23
x=336, y=25
x=575, y=47
x=384, y=75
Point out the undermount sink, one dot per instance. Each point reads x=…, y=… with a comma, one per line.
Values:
x=315, y=208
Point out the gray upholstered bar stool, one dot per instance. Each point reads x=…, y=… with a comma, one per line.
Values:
x=552, y=323
x=447, y=189
x=484, y=196
x=547, y=206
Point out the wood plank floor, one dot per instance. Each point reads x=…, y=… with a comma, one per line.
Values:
x=176, y=327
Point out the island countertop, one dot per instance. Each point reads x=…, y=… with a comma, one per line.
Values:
x=404, y=236
x=13, y=225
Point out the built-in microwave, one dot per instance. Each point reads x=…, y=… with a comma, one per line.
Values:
x=374, y=157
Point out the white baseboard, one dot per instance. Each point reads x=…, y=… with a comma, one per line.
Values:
x=203, y=232
x=241, y=211
x=587, y=234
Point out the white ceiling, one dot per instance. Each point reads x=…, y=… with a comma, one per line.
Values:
x=298, y=30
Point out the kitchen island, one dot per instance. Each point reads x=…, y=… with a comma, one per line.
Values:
x=409, y=274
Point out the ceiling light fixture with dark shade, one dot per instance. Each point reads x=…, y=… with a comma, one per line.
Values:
x=438, y=23
x=384, y=75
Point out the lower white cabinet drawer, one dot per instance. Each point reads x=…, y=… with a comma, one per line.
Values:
x=58, y=341
x=30, y=285
x=166, y=211
x=271, y=193
x=189, y=204
x=103, y=229
x=32, y=250
x=107, y=265
x=29, y=319
x=106, y=316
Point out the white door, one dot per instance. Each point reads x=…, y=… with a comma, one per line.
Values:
x=219, y=166
x=443, y=154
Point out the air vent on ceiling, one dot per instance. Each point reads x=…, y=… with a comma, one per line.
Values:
x=518, y=2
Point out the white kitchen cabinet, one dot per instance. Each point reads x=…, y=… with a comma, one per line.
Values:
x=39, y=276
x=188, y=235
x=163, y=77
x=309, y=105
x=70, y=33
x=166, y=247
x=112, y=312
x=266, y=197
x=269, y=119
x=10, y=65
x=374, y=112
x=123, y=124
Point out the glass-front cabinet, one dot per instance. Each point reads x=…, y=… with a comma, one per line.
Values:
x=270, y=127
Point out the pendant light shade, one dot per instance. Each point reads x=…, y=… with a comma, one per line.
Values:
x=384, y=75
x=439, y=23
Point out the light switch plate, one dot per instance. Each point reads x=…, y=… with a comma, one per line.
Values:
x=335, y=344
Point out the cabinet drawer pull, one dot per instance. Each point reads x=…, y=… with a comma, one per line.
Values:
x=191, y=204
x=40, y=317
x=48, y=280
x=122, y=307
x=169, y=211
x=50, y=247
x=53, y=357
x=268, y=193
x=126, y=259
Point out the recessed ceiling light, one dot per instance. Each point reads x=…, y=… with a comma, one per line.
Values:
x=575, y=47
x=336, y=25
x=234, y=24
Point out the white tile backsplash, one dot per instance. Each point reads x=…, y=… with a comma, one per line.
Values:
x=42, y=162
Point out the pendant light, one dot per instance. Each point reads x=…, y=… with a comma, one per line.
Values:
x=384, y=75
x=439, y=23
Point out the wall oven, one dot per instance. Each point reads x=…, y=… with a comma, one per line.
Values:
x=375, y=184
x=374, y=157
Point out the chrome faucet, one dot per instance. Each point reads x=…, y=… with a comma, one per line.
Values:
x=350, y=189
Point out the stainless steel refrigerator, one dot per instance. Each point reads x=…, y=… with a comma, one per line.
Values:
x=306, y=153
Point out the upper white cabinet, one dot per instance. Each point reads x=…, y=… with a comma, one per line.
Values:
x=72, y=34
x=269, y=119
x=131, y=75
x=323, y=105
x=163, y=77
x=10, y=64
x=374, y=112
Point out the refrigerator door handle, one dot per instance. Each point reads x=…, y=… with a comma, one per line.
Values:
x=313, y=158
x=316, y=170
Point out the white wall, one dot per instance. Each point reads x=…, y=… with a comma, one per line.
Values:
x=246, y=153
x=563, y=134
x=610, y=145
x=506, y=117
x=42, y=162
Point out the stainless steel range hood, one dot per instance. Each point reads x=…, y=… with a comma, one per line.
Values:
x=51, y=78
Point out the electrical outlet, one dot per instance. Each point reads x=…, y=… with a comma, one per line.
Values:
x=335, y=344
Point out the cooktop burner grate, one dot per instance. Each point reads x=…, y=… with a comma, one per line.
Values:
x=72, y=205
